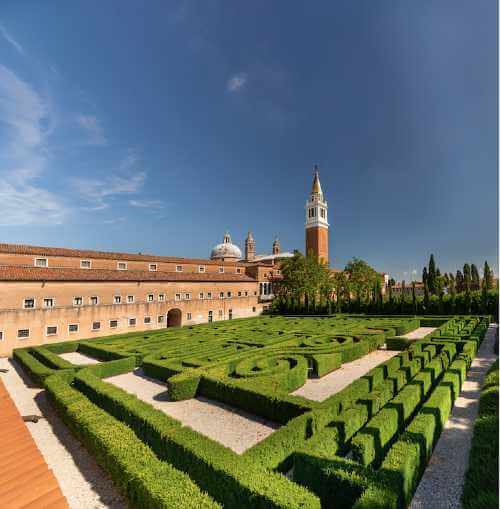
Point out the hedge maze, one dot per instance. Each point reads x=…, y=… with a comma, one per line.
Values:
x=365, y=446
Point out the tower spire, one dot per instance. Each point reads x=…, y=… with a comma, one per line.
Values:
x=316, y=186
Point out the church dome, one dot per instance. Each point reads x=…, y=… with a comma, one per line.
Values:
x=226, y=250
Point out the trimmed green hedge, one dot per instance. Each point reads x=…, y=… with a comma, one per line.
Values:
x=146, y=481
x=37, y=371
x=481, y=478
x=230, y=479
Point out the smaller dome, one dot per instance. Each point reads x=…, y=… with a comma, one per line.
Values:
x=226, y=250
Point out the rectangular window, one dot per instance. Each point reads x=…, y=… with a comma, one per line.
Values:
x=147, y=319
x=153, y=267
x=41, y=262
x=29, y=303
x=51, y=330
x=151, y=297
x=254, y=309
x=189, y=316
x=161, y=318
x=1, y=335
x=209, y=295
x=201, y=268
x=238, y=270
x=77, y=301
x=239, y=294
x=94, y=300
x=221, y=270
x=229, y=294
x=246, y=294
x=187, y=296
x=221, y=295
x=118, y=299
x=121, y=265
x=220, y=313
x=85, y=264
x=130, y=299
x=278, y=271
x=210, y=316
x=96, y=325
x=48, y=302
x=230, y=314
x=322, y=212
x=72, y=327
x=161, y=297
x=113, y=324
x=177, y=296
x=132, y=322
x=201, y=295
x=178, y=268
x=23, y=333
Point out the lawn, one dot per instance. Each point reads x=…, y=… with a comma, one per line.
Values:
x=365, y=446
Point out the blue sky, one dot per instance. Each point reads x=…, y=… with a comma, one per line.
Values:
x=156, y=126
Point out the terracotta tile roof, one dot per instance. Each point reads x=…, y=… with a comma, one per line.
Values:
x=25, y=273
x=109, y=255
x=25, y=479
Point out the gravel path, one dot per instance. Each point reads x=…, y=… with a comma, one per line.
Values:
x=78, y=358
x=419, y=333
x=442, y=483
x=318, y=389
x=84, y=484
x=229, y=426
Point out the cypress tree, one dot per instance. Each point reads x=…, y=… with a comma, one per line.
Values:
x=459, y=282
x=426, y=296
x=487, y=277
x=474, y=274
x=413, y=298
x=424, y=276
x=467, y=278
x=402, y=303
x=431, y=279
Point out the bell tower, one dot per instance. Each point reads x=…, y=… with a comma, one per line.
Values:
x=317, y=221
x=249, y=248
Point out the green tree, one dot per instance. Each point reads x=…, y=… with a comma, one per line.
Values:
x=361, y=279
x=487, y=277
x=475, y=281
x=413, y=298
x=432, y=275
x=459, y=282
x=467, y=278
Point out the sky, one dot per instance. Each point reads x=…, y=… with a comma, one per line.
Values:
x=156, y=126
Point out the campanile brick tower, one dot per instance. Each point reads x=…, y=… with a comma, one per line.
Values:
x=317, y=221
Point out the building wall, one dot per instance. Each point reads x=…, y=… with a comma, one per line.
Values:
x=13, y=317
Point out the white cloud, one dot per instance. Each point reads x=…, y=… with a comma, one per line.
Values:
x=147, y=204
x=95, y=133
x=23, y=150
x=11, y=40
x=97, y=191
x=236, y=82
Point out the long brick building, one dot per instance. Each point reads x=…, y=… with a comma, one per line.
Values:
x=52, y=294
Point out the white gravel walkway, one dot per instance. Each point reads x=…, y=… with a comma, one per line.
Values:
x=419, y=333
x=442, y=483
x=78, y=358
x=229, y=426
x=318, y=389
x=84, y=484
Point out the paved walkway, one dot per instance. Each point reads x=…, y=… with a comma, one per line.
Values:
x=25, y=478
x=230, y=426
x=318, y=389
x=419, y=333
x=84, y=484
x=442, y=484
x=78, y=358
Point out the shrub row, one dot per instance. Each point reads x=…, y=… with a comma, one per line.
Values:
x=229, y=478
x=371, y=443
x=481, y=478
x=50, y=359
x=37, y=371
x=146, y=481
